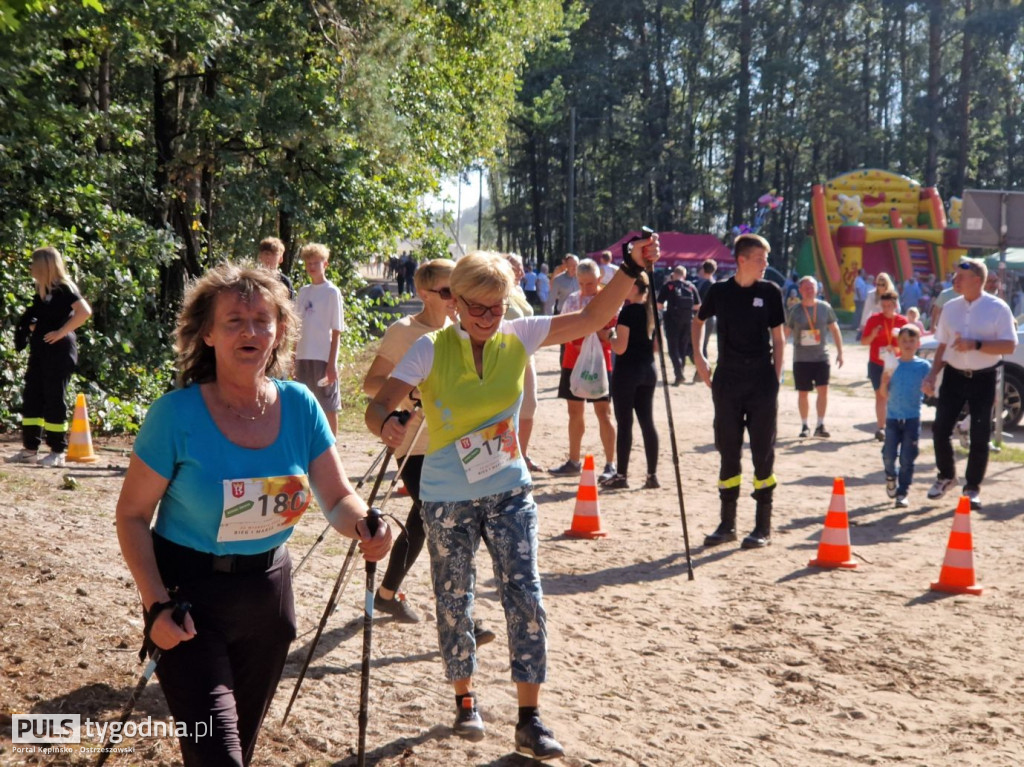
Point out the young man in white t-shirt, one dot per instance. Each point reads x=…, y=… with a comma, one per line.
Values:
x=319, y=305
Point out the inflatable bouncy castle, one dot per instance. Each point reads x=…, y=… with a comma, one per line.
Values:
x=881, y=222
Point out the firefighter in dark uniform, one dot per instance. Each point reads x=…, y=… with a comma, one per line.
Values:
x=678, y=298
x=745, y=388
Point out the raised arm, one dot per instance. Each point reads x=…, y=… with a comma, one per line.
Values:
x=595, y=315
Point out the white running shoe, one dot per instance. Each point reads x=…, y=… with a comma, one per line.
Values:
x=53, y=461
x=940, y=488
x=23, y=456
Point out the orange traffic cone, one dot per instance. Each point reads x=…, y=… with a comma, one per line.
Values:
x=834, y=547
x=957, y=574
x=80, y=440
x=586, y=519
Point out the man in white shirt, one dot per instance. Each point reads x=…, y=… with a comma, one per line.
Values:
x=974, y=331
x=608, y=269
x=319, y=307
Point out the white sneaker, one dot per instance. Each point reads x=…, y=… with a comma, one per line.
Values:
x=23, y=456
x=940, y=488
x=975, y=496
x=53, y=461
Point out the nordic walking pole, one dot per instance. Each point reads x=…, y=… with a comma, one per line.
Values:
x=323, y=533
x=155, y=652
x=372, y=520
x=333, y=599
x=647, y=232
x=341, y=580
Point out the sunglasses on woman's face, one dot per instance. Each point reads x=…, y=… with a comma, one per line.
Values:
x=479, y=310
x=445, y=293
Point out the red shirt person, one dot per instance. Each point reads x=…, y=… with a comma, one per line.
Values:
x=880, y=334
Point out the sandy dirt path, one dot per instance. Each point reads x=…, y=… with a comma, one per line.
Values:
x=759, y=660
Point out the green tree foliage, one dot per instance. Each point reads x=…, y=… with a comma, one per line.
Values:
x=687, y=112
x=154, y=139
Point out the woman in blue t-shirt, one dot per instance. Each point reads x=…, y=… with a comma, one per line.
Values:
x=229, y=463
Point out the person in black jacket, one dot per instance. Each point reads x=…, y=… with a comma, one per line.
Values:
x=679, y=300
x=745, y=390
x=50, y=324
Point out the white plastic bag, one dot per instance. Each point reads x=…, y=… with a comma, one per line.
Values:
x=589, y=378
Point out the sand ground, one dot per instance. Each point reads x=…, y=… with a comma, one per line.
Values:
x=756, y=660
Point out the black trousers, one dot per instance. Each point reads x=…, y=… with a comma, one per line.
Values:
x=633, y=392
x=44, y=409
x=678, y=341
x=978, y=391
x=410, y=541
x=228, y=673
x=745, y=397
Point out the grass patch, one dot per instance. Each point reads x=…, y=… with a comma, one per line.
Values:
x=1007, y=455
x=351, y=371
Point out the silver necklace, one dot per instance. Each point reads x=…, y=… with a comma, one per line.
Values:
x=261, y=403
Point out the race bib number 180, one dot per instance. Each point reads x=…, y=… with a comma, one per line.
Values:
x=262, y=506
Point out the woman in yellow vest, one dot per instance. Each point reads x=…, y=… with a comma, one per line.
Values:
x=475, y=483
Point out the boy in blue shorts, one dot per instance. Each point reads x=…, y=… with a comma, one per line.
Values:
x=902, y=388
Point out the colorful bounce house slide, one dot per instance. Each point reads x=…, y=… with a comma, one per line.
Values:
x=881, y=222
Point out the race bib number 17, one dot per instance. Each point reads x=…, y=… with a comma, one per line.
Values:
x=488, y=450
x=262, y=506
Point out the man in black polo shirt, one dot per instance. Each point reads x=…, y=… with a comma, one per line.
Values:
x=677, y=299
x=745, y=389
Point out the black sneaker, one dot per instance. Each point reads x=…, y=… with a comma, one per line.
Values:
x=805, y=431
x=821, y=432
x=534, y=739
x=481, y=633
x=397, y=607
x=567, y=469
x=615, y=482
x=468, y=723
x=722, y=535
x=652, y=482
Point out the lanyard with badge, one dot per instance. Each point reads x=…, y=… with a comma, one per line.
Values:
x=259, y=507
x=810, y=336
x=487, y=451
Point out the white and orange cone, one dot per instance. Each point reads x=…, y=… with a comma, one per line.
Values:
x=834, y=548
x=957, y=574
x=586, y=518
x=80, y=439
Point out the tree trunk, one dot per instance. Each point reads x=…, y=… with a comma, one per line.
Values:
x=963, y=107
x=103, y=98
x=742, y=117
x=931, y=165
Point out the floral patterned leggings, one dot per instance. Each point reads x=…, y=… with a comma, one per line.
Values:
x=507, y=523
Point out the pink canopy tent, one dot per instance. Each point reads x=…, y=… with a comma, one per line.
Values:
x=689, y=250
